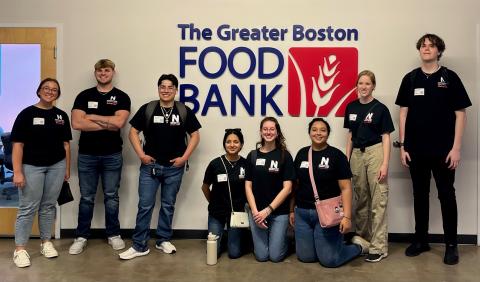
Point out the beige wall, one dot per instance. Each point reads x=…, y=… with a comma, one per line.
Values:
x=143, y=40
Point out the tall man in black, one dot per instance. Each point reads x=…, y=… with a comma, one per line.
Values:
x=432, y=102
x=100, y=113
x=164, y=123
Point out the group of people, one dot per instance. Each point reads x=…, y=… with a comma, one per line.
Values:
x=272, y=186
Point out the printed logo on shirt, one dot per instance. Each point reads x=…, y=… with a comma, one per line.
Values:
x=324, y=163
x=273, y=166
x=175, y=120
x=242, y=173
x=59, y=120
x=442, y=83
x=112, y=101
x=368, y=118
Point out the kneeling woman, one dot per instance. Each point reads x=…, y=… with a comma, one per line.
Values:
x=269, y=175
x=226, y=175
x=332, y=177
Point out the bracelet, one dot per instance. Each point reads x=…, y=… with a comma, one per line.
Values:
x=347, y=217
x=270, y=207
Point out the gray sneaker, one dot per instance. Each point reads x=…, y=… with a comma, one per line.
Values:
x=364, y=244
x=78, y=245
x=166, y=247
x=116, y=242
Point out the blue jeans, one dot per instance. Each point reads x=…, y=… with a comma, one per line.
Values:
x=314, y=243
x=90, y=168
x=42, y=186
x=234, y=243
x=270, y=243
x=170, y=179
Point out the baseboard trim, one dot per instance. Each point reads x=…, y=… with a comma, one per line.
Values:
x=202, y=234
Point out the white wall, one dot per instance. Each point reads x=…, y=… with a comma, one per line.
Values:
x=143, y=40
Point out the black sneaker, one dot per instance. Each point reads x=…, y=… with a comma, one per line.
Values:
x=375, y=257
x=451, y=255
x=416, y=248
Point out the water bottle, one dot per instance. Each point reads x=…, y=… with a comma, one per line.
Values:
x=212, y=249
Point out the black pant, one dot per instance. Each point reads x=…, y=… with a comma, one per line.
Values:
x=421, y=168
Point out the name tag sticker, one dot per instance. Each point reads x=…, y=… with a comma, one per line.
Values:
x=304, y=164
x=38, y=121
x=221, y=177
x=260, y=162
x=419, y=92
x=92, y=105
x=352, y=117
x=158, y=119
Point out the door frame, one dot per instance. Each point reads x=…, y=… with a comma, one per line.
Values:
x=59, y=76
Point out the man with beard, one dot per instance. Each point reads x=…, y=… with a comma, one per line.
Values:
x=100, y=113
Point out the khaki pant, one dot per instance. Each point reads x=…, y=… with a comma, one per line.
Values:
x=371, y=197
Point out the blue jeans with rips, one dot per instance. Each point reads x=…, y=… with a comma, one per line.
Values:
x=325, y=245
x=169, y=178
x=234, y=243
x=90, y=169
x=40, y=193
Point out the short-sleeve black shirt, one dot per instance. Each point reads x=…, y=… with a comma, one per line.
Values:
x=267, y=176
x=367, y=122
x=219, y=205
x=329, y=166
x=432, y=102
x=42, y=132
x=165, y=141
x=102, y=142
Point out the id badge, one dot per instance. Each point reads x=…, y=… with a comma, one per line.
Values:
x=158, y=119
x=304, y=164
x=92, y=105
x=260, y=162
x=419, y=92
x=38, y=121
x=352, y=117
x=221, y=177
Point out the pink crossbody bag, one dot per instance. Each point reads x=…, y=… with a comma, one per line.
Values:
x=330, y=211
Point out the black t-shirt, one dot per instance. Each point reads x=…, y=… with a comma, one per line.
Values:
x=42, y=132
x=102, y=142
x=267, y=175
x=329, y=166
x=165, y=140
x=432, y=102
x=216, y=176
x=367, y=122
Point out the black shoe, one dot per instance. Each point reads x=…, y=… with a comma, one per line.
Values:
x=416, y=248
x=451, y=255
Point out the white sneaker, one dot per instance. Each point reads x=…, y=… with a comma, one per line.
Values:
x=48, y=251
x=116, y=242
x=166, y=247
x=132, y=253
x=21, y=258
x=364, y=244
x=78, y=245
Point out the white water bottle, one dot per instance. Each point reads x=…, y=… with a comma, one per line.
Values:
x=212, y=249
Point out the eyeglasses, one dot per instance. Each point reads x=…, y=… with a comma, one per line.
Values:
x=51, y=90
x=230, y=130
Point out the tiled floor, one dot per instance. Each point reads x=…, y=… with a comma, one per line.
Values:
x=100, y=263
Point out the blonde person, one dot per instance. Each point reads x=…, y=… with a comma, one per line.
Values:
x=269, y=177
x=41, y=138
x=226, y=177
x=368, y=148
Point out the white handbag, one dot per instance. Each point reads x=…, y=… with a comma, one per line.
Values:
x=237, y=219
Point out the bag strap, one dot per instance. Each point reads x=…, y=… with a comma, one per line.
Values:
x=310, y=172
x=228, y=183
